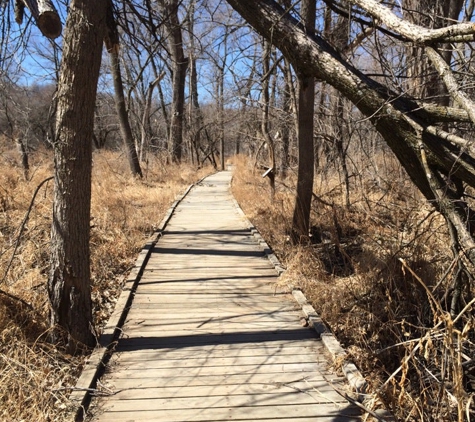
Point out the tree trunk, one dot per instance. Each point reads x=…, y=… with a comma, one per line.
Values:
x=288, y=111
x=23, y=152
x=424, y=82
x=163, y=107
x=266, y=51
x=69, y=282
x=337, y=33
x=341, y=133
x=195, y=116
x=177, y=113
x=221, y=116
x=169, y=10
x=146, y=129
x=112, y=44
x=422, y=77
x=303, y=198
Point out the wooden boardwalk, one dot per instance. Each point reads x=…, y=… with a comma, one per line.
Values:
x=208, y=336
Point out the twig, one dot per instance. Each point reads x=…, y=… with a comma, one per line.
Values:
x=360, y=405
x=403, y=343
x=56, y=390
x=433, y=302
x=18, y=299
x=467, y=407
x=93, y=391
x=469, y=304
x=22, y=227
x=322, y=201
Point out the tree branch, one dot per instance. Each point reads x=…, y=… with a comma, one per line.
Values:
x=450, y=82
x=22, y=227
x=411, y=31
x=440, y=113
x=45, y=14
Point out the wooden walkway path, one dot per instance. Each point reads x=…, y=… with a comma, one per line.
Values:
x=208, y=337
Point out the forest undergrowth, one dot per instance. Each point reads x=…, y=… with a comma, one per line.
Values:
x=380, y=272
x=36, y=376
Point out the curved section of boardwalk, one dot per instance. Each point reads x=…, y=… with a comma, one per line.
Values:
x=209, y=338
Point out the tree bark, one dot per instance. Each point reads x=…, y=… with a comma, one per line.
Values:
x=433, y=14
x=288, y=109
x=23, y=152
x=195, y=115
x=146, y=129
x=220, y=99
x=69, y=282
x=112, y=44
x=169, y=11
x=417, y=33
x=266, y=52
x=305, y=174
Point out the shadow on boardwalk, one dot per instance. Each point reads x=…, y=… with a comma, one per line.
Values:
x=208, y=337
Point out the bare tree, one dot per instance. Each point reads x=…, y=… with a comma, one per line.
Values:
x=69, y=283
x=289, y=107
x=306, y=109
x=112, y=44
x=195, y=115
x=265, y=122
x=169, y=10
x=14, y=119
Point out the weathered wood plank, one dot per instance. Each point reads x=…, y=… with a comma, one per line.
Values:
x=220, y=329
x=201, y=280
x=220, y=352
x=226, y=325
x=320, y=413
x=319, y=391
x=156, y=317
x=237, y=284
x=242, y=299
x=152, y=315
x=293, y=419
x=225, y=350
x=180, y=327
x=177, y=371
x=317, y=380
x=216, y=362
x=212, y=307
x=288, y=396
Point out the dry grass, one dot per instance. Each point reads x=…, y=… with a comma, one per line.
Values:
x=35, y=375
x=376, y=273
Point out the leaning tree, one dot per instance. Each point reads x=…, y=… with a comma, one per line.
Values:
x=441, y=163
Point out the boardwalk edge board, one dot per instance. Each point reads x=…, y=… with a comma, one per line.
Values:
x=356, y=380
x=95, y=364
